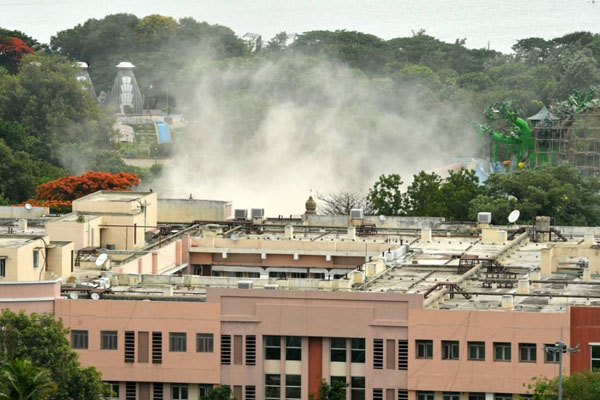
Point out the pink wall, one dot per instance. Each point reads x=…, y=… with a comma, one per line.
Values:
x=147, y=316
x=275, y=260
x=35, y=296
x=488, y=326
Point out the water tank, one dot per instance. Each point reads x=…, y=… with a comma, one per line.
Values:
x=484, y=217
x=245, y=285
x=257, y=213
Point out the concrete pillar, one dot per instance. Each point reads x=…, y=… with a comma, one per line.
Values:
x=154, y=263
x=535, y=276
x=587, y=275
x=426, y=234
x=588, y=239
x=352, y=233
x=507, y=302
x=289, y=232
x=22, y=224
x=185, y=249
x=546, y=262
x=523, y=287
x=140, y=266
x=169, y=290
x=178, y=253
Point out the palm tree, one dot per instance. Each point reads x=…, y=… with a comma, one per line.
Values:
x=21, y=380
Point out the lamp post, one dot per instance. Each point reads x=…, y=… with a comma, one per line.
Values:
x=561, y=348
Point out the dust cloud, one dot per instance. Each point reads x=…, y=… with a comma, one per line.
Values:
x=265, y=134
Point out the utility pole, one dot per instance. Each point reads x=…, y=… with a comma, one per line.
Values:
x=560, y=348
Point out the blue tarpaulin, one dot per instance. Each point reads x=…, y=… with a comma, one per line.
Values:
x=163, y=131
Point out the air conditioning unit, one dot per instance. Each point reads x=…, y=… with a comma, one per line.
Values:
x=272, y=286
x=240, y=213
x=245, y=285
x=357, y=213
x=484, y=217
x=257, y=213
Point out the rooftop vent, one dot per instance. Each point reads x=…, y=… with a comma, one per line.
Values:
x=273, y=286
x=241, y=213
x=245, y=285
x=484, y=217
x=357, y=213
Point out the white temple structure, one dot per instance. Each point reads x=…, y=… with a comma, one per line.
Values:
x=84, y=77
x=125, y=93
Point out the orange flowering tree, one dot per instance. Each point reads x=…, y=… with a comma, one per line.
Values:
x=59, y=194
x=12, y=50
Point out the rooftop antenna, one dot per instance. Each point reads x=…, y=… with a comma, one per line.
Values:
x=514, y=216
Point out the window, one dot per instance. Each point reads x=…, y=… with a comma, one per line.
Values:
x=338, y=349
x=357, y=353
x=114, y=388
x=79, y=339
x=451, y=396
x=36, y=259
x=272, y=348
x=377, y=353
x=203, y=390
x=108, y=340
x=293, y=349
x=293, y=387
x=424, y=395
x=550, y=356
x=179, y=391
x=357, y=388
x=250, y=350
x=129, y=346
x=476, y=396
x=156, y=347
x=338, y=379
x=403, y=354
x=476, y=351
x=449, y=350
x=424, y=348
x=595, y=356
x=157, y=391
x=225, y=349
x=204, y=342
x=272, y=387
x=2, y=267
x=502, y=396
x=527, y=352
x=250, y=392
x=177, y=341
x=501, y=351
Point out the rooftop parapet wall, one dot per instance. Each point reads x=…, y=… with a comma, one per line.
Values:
x=38, y=296
x=22, y=212
x=188, y=211
x=390, y=222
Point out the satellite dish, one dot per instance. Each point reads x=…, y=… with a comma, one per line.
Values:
x=73, y=296
x=95, y=296
x=382, y=218
x=28, y=206
x=101, y=259
x=514, y=216
x=234, y=237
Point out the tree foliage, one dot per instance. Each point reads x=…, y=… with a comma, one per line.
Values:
x=335, y=391
x=340, y=203
x=219, y=393
x=12, y=50
x=385, y=197
x=43, y=339
x=578, y=386
x=20, y=379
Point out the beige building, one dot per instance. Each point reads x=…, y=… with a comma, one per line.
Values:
x=22, y=258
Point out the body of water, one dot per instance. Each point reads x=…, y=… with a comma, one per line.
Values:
x=482, y=22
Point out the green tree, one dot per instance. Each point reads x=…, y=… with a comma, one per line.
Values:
x=423, y=196
x=335, y=391
x=156, y=29
x=219, y=393
x=385, y=197
x=21, y=380
x=578, y=386
x=457, y=191
x=44, y=339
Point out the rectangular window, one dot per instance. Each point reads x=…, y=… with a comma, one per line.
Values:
x=130, y=390
x=338, y=379
x=272, y=347
x=424, y=348
x=449, y=350
x=527, y=352
x=476, y=396
x=451, y=396
x=157, y=391
x=177, y=341
x=108, y=340
x=79, y=339
x=424, y=395
x=250, y=392
x=338, y=349
x=595, y=357
x=204, y=342
x=272, y=387
x=36, y=259
x=203, y=390
x=476, y=351
x=501, y=351
x=402, y=394
x=156, y=347
x=179, y=391
x=357, y=352
x=403, y=355
x=2, y=267
x=129, y=346
x=502, y=396
x=114, y=388
x=357, y=388
x=225, y=349
x=250, y=350
x=293, y=387
x=550, y=356
x=293, y=348
x=377, y=394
